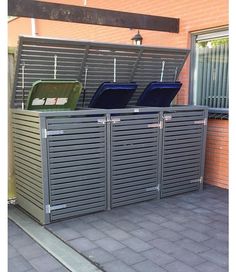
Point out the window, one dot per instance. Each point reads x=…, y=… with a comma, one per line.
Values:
x=210, y=70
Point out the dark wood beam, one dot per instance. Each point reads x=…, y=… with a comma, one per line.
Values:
x=85, y=15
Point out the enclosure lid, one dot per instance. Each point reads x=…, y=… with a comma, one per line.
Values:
x=159, y=94
x=111, y=95
x=92, y=63
x=54, y=94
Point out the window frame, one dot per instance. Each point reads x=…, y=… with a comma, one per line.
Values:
x=194, y=39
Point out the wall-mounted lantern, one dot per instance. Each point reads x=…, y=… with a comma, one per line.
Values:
x=137, y=39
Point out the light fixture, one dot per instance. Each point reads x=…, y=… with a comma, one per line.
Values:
x=137, y=39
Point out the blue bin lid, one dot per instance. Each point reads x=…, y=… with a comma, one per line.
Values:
x=159, y=94
x=112, y=95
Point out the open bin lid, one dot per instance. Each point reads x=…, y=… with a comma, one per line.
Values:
x=159, y=94
x=54, y=94
x=113, y=95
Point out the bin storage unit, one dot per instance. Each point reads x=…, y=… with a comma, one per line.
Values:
x=70, y=163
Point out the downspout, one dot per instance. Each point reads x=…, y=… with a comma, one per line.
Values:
x=33, y=27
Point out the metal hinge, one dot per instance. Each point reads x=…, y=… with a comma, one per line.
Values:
x=199, y=122
x=156, y=125
x=105, y=121
x=52, y=208
x=197, y=180
x=156, y=188
x=47, y=133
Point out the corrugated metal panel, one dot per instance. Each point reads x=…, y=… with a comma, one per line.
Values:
x=28, y=163
x=77, y=165
x=134, y=158
x=183, y=138
x=134, y=63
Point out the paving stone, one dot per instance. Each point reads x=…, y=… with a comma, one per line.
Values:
x=164, y=245
x=117, y=266
x=32, y=251
x=195, y=235
x=191, y=245
x=173, y=226
x=178, y=266
x=93, y=234
x=215, y=257
x=143, y=234
x=197, y=226
x=61, y=269
x=67, y=234
x=90, y=218
x=118, y=234
x=126, y=225
x=220, y=246
x=18, y=264
x=45, y=263
x=187, y=257
x=109, y=244
x=99, y=255
x=210, y=267
x=21, y=240
x=79, y=226
x=169, y=235
x=137, y=244
x=148, y=266
x=82, y=244
x=155, y=218
x=12, y=252
x=133, y=218
x=150, y=226
x=57, y=226
x=218, y=225
x=157, y=256
x=102, y=225
x=128, y=256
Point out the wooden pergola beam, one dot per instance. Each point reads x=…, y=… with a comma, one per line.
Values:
x=85, y=15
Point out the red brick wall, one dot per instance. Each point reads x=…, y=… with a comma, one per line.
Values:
x=194, y=16
x=216, y=167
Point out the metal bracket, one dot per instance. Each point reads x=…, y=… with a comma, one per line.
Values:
x=102, y=121
x=53, y=208
x=201, y=179
x=114, y=120
x=199, y=122
x=105, y=121
x=156, y=125
x=46, y=133
x=167, y=117
x=156, y=188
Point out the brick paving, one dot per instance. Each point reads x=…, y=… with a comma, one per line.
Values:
x=183, y=233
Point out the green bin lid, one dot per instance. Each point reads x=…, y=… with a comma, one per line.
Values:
x=54, y=95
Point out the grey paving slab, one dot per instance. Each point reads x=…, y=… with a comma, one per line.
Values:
x=173, y=226
x=102, y=225
x=67, y=234
x=128, y=256
x=218, y=245
x=151, y=226
x=99, y=255
x=155, y=218
x=118, y=234
x=44, y=263
x=187, y=257
x=109, y=244
x=168, y=234
x=215, y=257
x=191, y=245
x=178, y=266
x=126, y=225
x=82, y=244
x=93, y=234
x=148, y=266
x=137, y=244
x=19, y=264
x=158, y=257
x=210, y=267
x=195, y=235
x=32, y=251
x=118, y=266
x=143, y=234
x=12, y=252
x=164, y=245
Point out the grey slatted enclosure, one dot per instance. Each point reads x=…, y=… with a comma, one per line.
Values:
x=71, y=163
x=183, y=154
x=60, y=163
x=135, y=151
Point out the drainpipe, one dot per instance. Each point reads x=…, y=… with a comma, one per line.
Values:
x=33, y=27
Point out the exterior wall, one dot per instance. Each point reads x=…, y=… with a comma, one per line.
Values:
x=216, y=166
x=194, y=16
